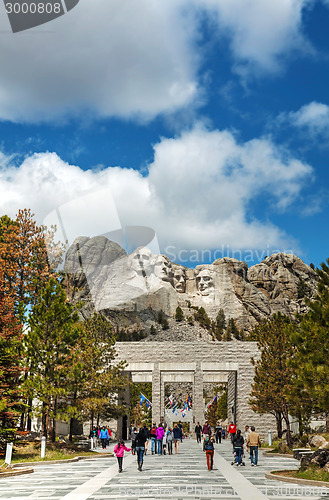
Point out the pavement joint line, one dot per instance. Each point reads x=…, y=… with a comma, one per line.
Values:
x=240, y=484
x=87, y=489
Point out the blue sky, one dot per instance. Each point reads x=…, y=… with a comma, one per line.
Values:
x=205, y=120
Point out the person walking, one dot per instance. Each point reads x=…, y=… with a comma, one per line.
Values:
x=209, y=448
x=170, y=438
x=198, y=432
x=159, y=435
x=218, y=432
x=164, y=443
x=133, y=439
x=206, y=429
x=177, y=432
x=253, y=443
x=119, y=450
x=180, y=425
x=153, y=438
x=147, y=433
x=232, y=430
x=104, y=436
x=140, y=447
x=238, y=443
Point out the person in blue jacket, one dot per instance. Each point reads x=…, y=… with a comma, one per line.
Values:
x=104, y=436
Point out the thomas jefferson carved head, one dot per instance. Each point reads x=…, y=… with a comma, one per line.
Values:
x=163, y=269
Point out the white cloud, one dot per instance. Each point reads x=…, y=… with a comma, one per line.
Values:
x=105, y=58
x=313, y=116
x=262, y=33
x=197, y=194
x=136, y=59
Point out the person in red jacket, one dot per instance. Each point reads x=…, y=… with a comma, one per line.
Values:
x=232, y=431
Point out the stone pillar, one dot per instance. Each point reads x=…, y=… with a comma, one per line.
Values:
x=156, y=394
x=124, y=421
x=232, y=398
x=198, y=407
x=162, y=395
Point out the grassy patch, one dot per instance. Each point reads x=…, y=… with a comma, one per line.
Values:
x=312, y=473
x=31, y=451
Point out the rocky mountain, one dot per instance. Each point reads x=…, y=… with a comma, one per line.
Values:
x=131, y=289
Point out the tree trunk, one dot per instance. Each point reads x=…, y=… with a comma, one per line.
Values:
x=29, y=413
x=53, y=433
x=278, y=418
x=327, y=421
x=286, y=418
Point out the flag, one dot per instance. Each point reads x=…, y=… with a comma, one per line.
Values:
x=174, y=409
x=171, y=400
x=148, y=403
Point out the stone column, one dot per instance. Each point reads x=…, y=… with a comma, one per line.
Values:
x=198, y=407
x=156, y=394
x=124, y=421
x=162, y=395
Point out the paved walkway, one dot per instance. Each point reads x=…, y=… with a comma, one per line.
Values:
x=177, y=477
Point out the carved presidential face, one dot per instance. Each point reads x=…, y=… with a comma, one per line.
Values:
x=163, y=269
x=140, y=260
x=205, y=282
x=180, y=280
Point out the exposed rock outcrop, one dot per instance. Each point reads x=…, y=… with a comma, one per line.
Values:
x=136, y=286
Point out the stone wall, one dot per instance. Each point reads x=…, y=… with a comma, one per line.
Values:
x=202, y=361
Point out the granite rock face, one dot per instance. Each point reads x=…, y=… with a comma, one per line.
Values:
x=105, y=278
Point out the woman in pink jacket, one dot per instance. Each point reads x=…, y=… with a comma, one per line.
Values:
x=159, y=433
x=119, y=450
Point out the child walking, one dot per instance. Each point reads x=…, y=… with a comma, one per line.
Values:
x=119, y=450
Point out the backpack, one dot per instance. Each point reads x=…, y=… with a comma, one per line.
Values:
x=152, y=432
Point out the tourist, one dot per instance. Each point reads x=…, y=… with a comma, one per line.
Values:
x=93, y=436
x=153, y=438
x=238, y=443
x=209, y=448
x=104, y=436
x=232, y=430
x=147, y=432
x=133, y=439
x=247, y=431
x=198, y=432
x=206, y=430
x=180, y=425
x=223, y=433
x=164, y=442
x=218, y=432
x=170, y=438
x=177, y=431
x=253, y=442
x=119, y=450
x=140, y=447
x=159, y=435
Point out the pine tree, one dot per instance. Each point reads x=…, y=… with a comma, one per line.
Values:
x=10, y=368
x=232, y=330
x=272, y=384
x=96, y=384
x=312, y=350
x=49, y=345
x=179, y=315
x=28, y=257
x=219, y=326
x=165, y=324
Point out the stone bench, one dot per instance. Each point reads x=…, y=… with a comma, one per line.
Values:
x=300, y=452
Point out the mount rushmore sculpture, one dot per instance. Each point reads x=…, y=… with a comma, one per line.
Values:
x=105, y=278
